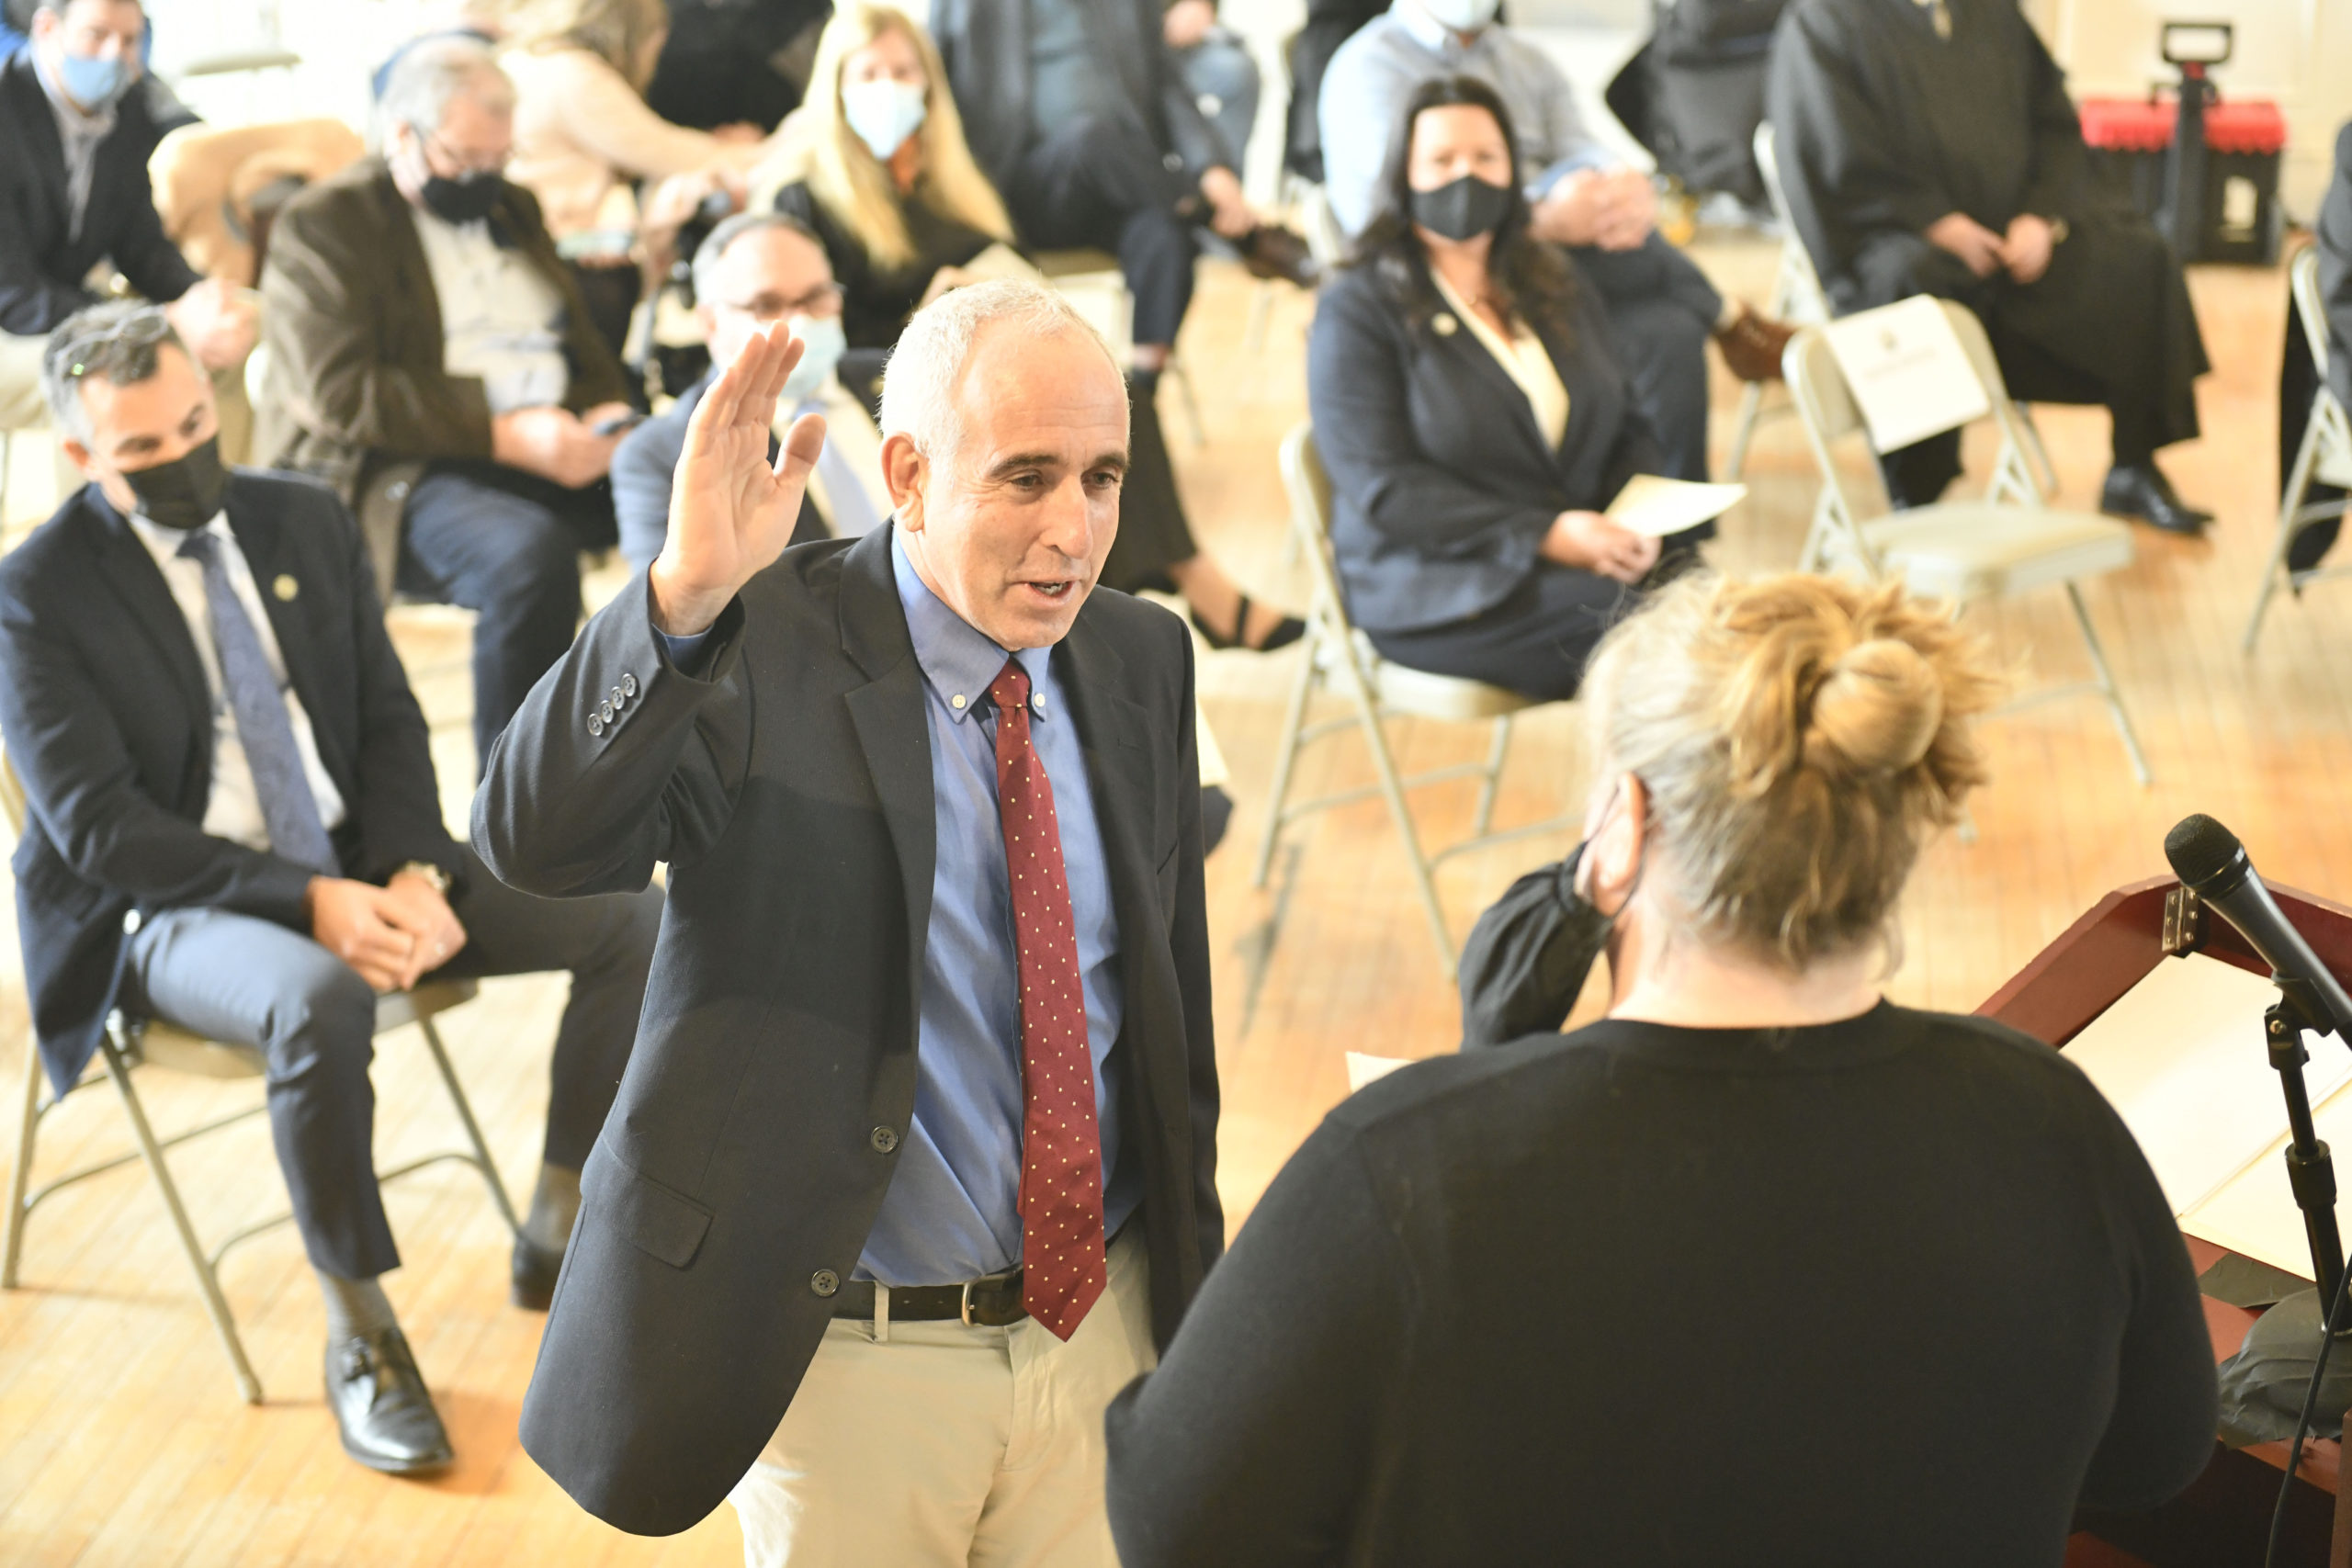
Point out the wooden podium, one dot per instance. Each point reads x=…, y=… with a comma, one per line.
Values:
x=2225, y=1519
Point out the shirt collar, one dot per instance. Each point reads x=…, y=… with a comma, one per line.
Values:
x=1433, y=35
x=163, y=542
x=958, y=660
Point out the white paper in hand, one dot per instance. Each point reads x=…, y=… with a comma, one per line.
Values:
x=1654, y=505
x=1909, y=376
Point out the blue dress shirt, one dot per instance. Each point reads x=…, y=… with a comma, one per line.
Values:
x=953, y=1213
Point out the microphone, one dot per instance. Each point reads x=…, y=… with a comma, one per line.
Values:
x=2212, y=863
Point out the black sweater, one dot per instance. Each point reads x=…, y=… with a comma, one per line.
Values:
x=1900, y=1289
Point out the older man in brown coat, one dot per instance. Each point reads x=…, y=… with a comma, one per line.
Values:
x=431, y=359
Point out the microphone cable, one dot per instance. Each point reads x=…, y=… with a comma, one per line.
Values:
x=2304, y=1423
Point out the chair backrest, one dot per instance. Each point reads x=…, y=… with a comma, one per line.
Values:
x=13, y=810
x=1309, y=489
x=1798, y=295
x=2302, y=288
x=1826, y=409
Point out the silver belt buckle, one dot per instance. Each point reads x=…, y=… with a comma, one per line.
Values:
x=965, y=1312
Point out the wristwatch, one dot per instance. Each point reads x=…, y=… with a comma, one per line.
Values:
x=437, y=879
x=2058, y=230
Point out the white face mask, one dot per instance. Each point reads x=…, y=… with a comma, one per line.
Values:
x=883, y=112
x=1462, y=16
x=823, y=343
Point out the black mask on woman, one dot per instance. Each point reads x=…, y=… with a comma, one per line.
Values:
x=469, y=200
x=183, y=493
x=1464, y=209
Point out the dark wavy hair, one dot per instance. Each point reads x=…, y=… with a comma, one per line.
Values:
x=1531, y=279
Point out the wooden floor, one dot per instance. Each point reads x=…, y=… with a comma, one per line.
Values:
x=122, y=1439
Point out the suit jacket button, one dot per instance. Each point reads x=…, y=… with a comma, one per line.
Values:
x=595, y=725
x=824, y=1281
x=396, y=490
x=883, y=1140
x=629, y=685
x=618, y=698
x=604, y=712
x=130, y=922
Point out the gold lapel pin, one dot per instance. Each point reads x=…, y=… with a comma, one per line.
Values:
x=285, y=587
x=1443, y=324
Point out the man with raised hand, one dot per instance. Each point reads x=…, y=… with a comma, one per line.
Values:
x=914, y=1168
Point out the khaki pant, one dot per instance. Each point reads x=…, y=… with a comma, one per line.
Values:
x=951, y=1446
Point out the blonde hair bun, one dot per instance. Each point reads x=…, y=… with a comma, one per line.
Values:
x=1877, y=710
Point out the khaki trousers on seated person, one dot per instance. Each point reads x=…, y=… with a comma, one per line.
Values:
x=944, y=1445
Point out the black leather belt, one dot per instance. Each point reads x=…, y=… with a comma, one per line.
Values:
x=993, y=1303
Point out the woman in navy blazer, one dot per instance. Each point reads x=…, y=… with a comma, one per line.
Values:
x=1465, y=514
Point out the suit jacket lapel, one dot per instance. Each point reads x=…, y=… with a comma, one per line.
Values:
x=1506, y=392
x=130, y=573
x=888, y=715
x=259, y=539
x=37, y=123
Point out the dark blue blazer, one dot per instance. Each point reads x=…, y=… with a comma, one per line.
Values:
x=42, y=262
x=1442, y=485
x=109, y=726
x=788, y=788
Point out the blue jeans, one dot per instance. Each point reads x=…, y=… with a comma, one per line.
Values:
x=1223, y=79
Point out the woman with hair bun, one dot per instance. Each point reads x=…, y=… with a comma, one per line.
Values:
x=1759, y=1269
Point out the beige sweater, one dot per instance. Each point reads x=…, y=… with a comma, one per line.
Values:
x=581, y=130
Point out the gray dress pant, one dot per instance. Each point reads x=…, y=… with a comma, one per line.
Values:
x=253, y=982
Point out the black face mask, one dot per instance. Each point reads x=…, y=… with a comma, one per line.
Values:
x=1464, y=209
x=183, y=493
x=469, y=200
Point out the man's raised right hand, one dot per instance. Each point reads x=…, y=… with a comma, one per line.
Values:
x=730, y=514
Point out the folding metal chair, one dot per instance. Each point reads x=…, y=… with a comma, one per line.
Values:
x=2324, y=456
x=1375, y=688
x=2006, y=544
x=131, y=1045
x=1091, y=275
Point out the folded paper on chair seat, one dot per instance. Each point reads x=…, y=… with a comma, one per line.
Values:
x=2181, y=1057
x=1908, y=373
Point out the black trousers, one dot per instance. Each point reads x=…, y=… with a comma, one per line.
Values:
x=1661, y=310
x=2111, y=323
x=1535, y=642
x=1154, y=534
x=505, y=543
x=253, y=982
x=1102, y=183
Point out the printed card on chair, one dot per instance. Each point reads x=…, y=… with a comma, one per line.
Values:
x=1908, y=373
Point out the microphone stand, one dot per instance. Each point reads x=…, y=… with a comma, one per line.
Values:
x=2311, y=1170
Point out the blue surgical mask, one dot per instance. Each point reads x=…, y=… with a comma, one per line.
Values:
x=91, y=82
x=822, y=345
x=883, y=112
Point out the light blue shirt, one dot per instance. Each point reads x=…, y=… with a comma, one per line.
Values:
x=953, y=1210
x=1373, y=74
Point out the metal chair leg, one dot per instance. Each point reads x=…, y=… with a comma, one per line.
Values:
x=1377, y=737
x=2290, y=507
x=1262, y=310
x=11, y=1248
x=1286, y=760
x=2045, y=472
x=1183, y=379
x=473, y=1130
x=1751, y=408
x=1491, y=785
x=2106, y=688
x=207, y=1280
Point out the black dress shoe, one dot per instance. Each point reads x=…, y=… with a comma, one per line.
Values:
x=2140, y=491
x=379, y=1400
x=536, y=1267
x=1270, y=250
x=1287, y=631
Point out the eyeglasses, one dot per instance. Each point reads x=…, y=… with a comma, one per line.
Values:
x=466, y=168
x=822, y=300
x=141, y=331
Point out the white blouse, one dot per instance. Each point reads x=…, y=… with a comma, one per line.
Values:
x=1522, y=356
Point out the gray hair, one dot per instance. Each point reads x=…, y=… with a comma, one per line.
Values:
x=432, y=73
x=925, y=370
x=120, y=342
x=715, y=245
x=59, y=8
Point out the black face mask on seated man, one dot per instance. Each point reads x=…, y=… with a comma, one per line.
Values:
x=1462, y=209
x=467, y=200
x=183, y=493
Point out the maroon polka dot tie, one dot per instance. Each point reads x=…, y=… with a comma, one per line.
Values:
x=1062, y=1264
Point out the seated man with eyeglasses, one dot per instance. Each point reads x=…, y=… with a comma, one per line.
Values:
x=431, y=359
x=756, y=269
x=234, y=826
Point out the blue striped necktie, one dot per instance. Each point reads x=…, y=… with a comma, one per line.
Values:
x=288, y=809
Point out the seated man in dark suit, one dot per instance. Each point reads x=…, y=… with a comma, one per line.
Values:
x=1932, y=148
x=431, y=359
x=234, y=826
x=1079, y=112
x=73, y=193
x=755, y=269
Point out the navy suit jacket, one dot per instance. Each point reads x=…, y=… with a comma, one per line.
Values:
x=43, y=263
x=109, y=726
x=1442, y=485
x=788, y=787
